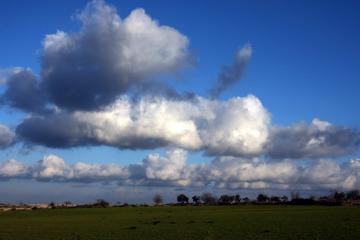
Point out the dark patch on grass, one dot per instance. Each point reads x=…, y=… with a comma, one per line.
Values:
x=192, y=221
x=132, y=227
x=265, y=231
x=75, y=237
x=155, y=222
x=210, y=221
x=172, y=222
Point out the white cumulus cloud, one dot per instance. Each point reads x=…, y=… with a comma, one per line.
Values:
x=108, y=56
x=237, y=127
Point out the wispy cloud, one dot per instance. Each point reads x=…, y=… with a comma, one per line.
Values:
x=230, y=74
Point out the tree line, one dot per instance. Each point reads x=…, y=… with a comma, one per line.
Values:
x=295, y=198
x=335, y=198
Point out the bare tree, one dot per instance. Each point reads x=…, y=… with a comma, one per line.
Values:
x=157, y=199
x=295, y=195
x=225, y=199
x=67, y=204
x=284, y=199
x=275, y=199
x=339, y=196
x=353, y=195
x=101, y=203
x=208, y=198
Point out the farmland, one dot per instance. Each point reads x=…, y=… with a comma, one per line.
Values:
x=204, y=222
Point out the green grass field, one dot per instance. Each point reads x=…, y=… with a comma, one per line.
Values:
x=236, y=222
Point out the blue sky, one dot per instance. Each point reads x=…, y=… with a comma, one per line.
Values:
x=305, y=61
x=304, y=64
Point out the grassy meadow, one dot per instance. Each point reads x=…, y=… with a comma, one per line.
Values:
x=204, y=222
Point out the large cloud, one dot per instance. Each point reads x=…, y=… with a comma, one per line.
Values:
x=229, y=75
x=7, y=137
x=237, y=127
x=172, y=170
x=90, y=68
x=319, y=139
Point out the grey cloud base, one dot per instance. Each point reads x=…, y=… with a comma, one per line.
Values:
x=172, y=170
x=316, y=140
x=23, y=92
x=236, y=127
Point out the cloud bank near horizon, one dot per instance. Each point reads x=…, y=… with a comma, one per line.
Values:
x=172, y=170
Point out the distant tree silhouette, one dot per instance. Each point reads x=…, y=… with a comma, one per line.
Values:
x=262, y=198
x=157, y=199
x=295, y=195
x=237, y=199
x=246, y=200
x=208, y=198
x=52, y=205
x=324, y=198
x=182, y=198
x=275, y=199
x=339, y=196
x=312, y=197
x=284, y=199
x=353, y=195
x=101, y=203
x=225, y=199
x=196, y=199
